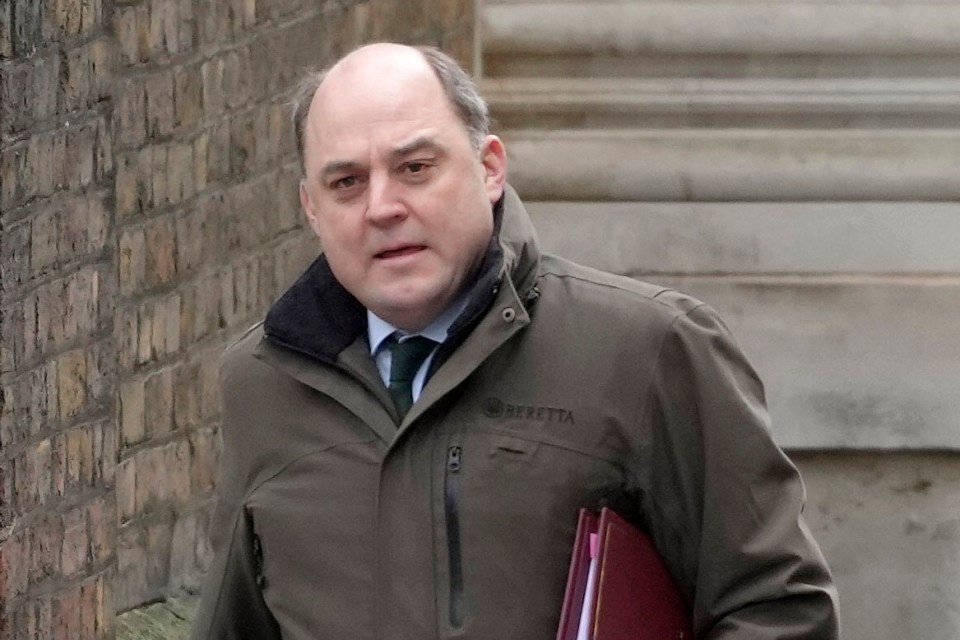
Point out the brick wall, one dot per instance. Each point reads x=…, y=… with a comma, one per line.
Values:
x=149, y=213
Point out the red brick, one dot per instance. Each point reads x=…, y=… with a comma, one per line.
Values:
x=206, y=309
x=45, y=542
x=158, y=403
x=71, y=383
x=200, y=161
x=80, y=464
x=188, y=24
x=126, y=486
x=144, y=333
x=132, y=428
x=43, y=614
x=88, y=609
x=59, y=465
x=158, y=176
x=6, y=30
x=158, y=91
x=29, y=336
x=191, y=230
x=128, y=22
x=44, y=234
x=177, y=461
x=214, y=22
x=101, y=374
x=126, y=189
x=109, y=448
x=235, y=76
x=132, y=260
x=104, y=611
x=163, y=19
x=180, y=172
x=76, y=88
x=186, y=396
x=81, y=149
x=102, y=151
x=74, y=552
x=101, y=522
x=15, y=552
x=45, y=163
x=127, y=333
x=160, y=240
x=205, y=450
x=188, y=105
x=41, y=464
x=66, y=614
x=130, y=113
x=210, y=384
x=91, y=14
x=41, y=410
x=165, y=325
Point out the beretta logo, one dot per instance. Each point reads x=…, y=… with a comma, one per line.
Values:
x=497, y=408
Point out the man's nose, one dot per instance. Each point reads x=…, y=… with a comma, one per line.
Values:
x=385, y=203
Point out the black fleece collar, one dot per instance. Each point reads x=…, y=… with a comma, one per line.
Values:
x=316, y=316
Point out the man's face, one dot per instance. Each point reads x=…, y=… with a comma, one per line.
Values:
x=401, y=200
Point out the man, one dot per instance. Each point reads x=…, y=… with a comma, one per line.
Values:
x=361, y=501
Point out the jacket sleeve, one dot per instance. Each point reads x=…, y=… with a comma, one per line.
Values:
x=723, y=502
x=231, y=601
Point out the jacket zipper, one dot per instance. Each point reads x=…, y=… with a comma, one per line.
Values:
x=451, y=504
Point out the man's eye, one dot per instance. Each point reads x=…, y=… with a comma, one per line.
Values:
x=344, y=183
x=416, y=167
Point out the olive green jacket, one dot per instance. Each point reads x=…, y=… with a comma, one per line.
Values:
x=562, y=387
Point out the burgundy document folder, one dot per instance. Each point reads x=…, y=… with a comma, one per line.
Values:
x=633, y=596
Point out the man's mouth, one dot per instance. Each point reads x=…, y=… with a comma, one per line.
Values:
x=399, y=252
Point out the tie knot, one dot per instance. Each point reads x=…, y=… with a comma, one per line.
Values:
x=407, y=356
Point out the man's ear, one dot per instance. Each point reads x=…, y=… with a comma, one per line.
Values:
x=493, y=157
x=308, y=209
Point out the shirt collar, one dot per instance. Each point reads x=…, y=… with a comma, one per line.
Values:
x=378, y=329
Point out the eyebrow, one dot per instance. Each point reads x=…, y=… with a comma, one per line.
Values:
x=338, y=166
x=422, y=143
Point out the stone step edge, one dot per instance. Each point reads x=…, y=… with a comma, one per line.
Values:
x=852, y=241
x=736, y=164
x=781, y=28
x=552, y=95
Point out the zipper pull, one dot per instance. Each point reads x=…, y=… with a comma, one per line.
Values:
x=453, y=458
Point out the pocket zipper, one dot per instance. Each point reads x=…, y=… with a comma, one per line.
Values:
x=451, y=505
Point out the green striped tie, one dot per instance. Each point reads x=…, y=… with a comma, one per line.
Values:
x=405, y=360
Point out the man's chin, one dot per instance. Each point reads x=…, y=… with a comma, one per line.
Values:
x=410, y=311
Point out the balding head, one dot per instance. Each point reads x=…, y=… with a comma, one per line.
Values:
x=456, y=84
x=398, y=191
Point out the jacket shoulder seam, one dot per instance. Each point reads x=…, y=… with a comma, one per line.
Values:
x=655, y=298
x=286, y=465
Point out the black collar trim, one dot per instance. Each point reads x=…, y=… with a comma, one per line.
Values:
x=316, y=316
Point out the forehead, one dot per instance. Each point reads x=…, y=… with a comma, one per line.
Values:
x=370, y=104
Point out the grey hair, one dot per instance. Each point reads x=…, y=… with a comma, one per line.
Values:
x=457, y=84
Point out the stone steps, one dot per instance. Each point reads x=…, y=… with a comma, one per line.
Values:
x=795, y=164
x=829, y=239
x=847, y=308
x=800, y=28
x=708, y=164
x=826, y=103
x=848, y=363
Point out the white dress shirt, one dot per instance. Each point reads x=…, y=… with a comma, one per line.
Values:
x=378, y=330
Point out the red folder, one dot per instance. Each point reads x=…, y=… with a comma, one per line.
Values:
x=634, y=597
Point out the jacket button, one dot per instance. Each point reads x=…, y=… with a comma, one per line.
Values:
x=508, y=314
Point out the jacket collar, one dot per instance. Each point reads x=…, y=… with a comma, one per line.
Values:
x=317, y=317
